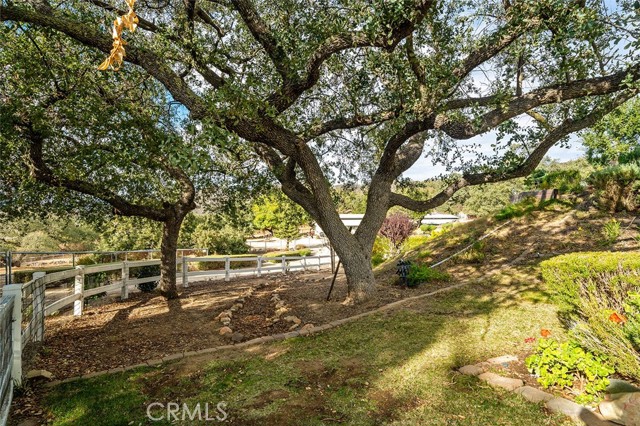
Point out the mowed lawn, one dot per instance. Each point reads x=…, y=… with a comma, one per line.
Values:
x=392, y=369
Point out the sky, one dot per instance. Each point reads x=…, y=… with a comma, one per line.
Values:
x=424, y=168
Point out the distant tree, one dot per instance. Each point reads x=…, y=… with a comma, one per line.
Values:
x=618, y=134
x=396, y=228
x=280, y=216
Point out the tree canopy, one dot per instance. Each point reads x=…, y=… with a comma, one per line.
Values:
x=336, y=91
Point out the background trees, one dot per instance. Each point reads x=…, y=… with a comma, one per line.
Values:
x=328, y=92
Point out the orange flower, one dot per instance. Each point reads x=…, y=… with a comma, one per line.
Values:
x=545, y=333
x=617, y=318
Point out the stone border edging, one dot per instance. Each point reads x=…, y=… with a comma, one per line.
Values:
x=258, y=340
x=551, y=402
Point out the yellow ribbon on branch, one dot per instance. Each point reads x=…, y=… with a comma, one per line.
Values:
x=128, y=21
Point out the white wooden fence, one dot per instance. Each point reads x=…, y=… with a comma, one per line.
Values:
x=6, y=358
x=28, y=304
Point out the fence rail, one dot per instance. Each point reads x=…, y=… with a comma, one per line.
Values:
x=23, y=307
x=6, y=357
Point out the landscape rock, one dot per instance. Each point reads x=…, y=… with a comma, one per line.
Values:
x=39, y=374
x=534, y=395
x=294, y=319
x=622, y=408
x=29, y=422
x=498, y=381
x=501, y=360
x=575, y=411
x=237, y=337
x=225, y=331
x=471, y=370
x=280, y=304
x=293, y=327
x=225, y=321
x=620, y=386
x=307, y=327
x=240, y=300
x=281, y=311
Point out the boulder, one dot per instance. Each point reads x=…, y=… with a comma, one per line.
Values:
x=471, y=370
x=225, y=331
x=622, y=408
x=307, y=327
x=237, y=337
x=39, y=374
x=294, y=319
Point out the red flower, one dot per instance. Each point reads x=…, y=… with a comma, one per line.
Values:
x=617, y=318
x=545, y=333
x=530, y=340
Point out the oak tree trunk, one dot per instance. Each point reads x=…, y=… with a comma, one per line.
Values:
x=168, y=270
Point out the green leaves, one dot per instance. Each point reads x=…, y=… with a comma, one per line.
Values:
x=567, y=365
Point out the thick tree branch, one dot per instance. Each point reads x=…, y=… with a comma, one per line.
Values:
x=40, y=171
x=568, y=127
x=543, y=96
x=264, y=35
x=342, y=123
x=388, y=40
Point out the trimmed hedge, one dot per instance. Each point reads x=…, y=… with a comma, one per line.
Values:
x=562, y=274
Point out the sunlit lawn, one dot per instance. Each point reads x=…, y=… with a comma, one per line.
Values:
x=392, y=369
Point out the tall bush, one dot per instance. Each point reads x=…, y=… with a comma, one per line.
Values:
x=220, y=241
x=617, y=187
x=599, y=299
x=397, y=228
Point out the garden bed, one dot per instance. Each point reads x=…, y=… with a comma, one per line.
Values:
x=145, y=326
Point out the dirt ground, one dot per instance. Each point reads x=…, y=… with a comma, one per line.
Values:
x=145, y=326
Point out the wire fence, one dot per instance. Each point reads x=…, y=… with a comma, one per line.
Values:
x=6, y=358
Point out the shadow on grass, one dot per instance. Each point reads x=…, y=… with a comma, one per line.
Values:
x=396, y=367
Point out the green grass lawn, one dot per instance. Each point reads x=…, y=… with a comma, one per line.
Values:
x=393, y=369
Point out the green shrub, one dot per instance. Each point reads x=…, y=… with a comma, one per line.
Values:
x=563, y=181
x=610, y=232
x=413, y=242
x=144, y=271
x=562, y=274
x=598, y=297
x=476, y=254
x=522, y=208
x=427, y=229
x=381, y=249
x=420, y=273
x=617, y=187
x=303, y=252
x=227, y=240
x=567, y=365
x=376, y=259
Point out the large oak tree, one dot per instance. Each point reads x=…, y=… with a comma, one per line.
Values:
x=329, y=89
x=72, y=138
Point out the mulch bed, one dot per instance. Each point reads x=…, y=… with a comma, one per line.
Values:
x=145, y=326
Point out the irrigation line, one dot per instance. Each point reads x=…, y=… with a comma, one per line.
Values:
x=471, y=245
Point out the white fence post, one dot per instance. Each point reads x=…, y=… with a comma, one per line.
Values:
x=78, y=288
x=319, y=262
x=259, y=270
x=38, y=306
x=124, y=292
x=304, y=263
x=185, y=272
x=284, y=265
x=227, y=268
x=15, y=290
